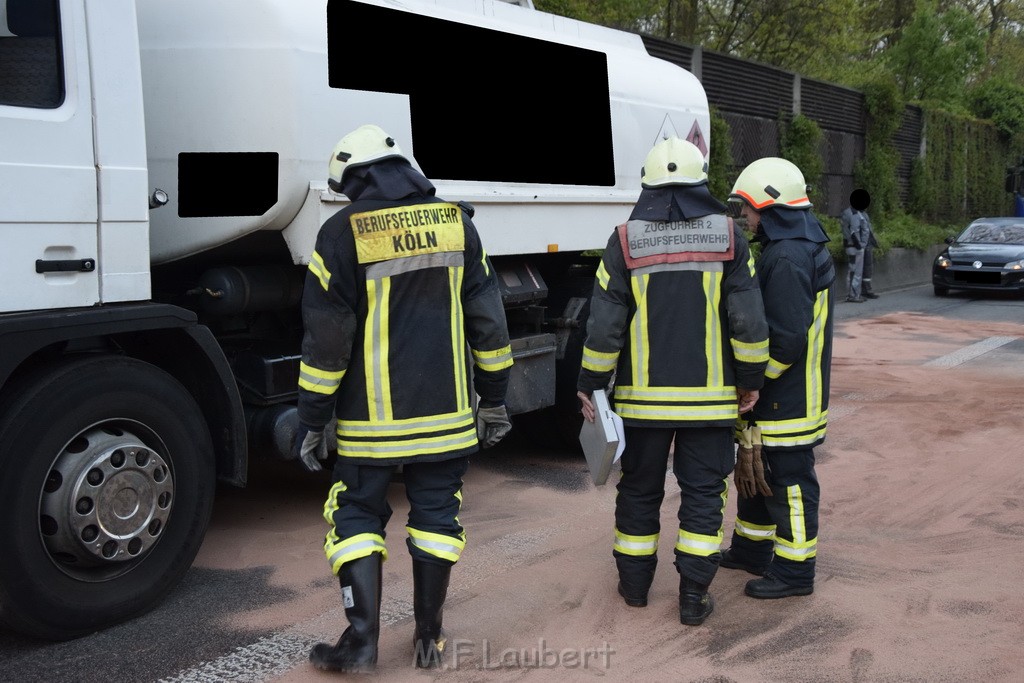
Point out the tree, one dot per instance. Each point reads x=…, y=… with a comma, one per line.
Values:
x=937, y=54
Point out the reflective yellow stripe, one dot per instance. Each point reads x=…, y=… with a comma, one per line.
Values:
x=409, y=425
x=407, y=447
x=775, y=369
x=639, y=349
x=798, y=552
x=755, y=532
x=712, y=328
x=700, y=545
x=684, y=404
x=458, y=340
x=796, y=513
x=331, y=504
x=599, y=361
x=317, y=267
x=602, y=276
x=319, y=381
x=493, y=360
x=375, y=349
x=636, y=545
x=799, y=431
x=677, y=412
x=815, y=351
x=750, y=264
x=483, y=260
x=438, y=545
x=750, y=352
x=628, y=392
x=340, y=551
x=384, y=349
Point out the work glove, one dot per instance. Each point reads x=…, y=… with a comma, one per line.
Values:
x=492, y=424
x=310, y=447
x=749, y=473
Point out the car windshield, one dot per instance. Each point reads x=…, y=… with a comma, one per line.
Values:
x=993, y=233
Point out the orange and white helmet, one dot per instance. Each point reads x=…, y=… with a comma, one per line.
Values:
x=771, y=181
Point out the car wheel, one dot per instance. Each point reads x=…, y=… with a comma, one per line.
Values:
x=107, y=490
x=940, y=290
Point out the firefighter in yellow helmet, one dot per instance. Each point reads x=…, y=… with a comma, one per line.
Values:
x=403, y=322
x=676, y=317
x=776, y=531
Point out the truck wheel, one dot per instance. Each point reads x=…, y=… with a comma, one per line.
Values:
x=107, y=489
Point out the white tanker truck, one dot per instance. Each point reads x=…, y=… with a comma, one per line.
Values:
x=162, y=180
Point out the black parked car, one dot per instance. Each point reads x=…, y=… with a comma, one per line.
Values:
x=988, y=256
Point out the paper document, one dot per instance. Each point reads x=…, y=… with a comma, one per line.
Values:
x=603, y=439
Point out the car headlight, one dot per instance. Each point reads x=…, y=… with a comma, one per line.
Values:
x=943, y=262
x=1015, y=265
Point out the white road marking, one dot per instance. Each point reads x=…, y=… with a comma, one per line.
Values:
x=971, y=352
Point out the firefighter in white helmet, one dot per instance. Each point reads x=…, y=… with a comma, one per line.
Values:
x=399, y=287
x=676, y=317
x=776, y=531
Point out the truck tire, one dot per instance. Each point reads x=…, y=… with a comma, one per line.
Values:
x=107, y=489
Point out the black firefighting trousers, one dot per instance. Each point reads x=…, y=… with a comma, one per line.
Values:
x=781, y=530
x=358, y=509
x=702, y=461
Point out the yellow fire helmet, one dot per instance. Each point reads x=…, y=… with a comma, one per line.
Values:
x=674, y=161
x=771, y=181
x=362, y=146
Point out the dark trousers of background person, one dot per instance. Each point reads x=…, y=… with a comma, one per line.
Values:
x=702, y=461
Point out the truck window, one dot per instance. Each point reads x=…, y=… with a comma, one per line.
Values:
x=30, y=59
x=485, y=105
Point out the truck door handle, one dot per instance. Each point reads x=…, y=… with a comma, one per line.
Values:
x=85, y=265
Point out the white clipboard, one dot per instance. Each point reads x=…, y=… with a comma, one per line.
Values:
x=603, y=439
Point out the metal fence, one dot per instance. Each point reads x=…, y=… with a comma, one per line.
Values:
x=753, y=115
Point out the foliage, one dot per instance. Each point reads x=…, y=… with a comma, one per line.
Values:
x=1002, y=102
x=720, y=160
x=800, y=140
x=876, y=172
x=937, y=53
x=961, y=175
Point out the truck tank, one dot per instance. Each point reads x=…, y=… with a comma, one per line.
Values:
x=541, y=122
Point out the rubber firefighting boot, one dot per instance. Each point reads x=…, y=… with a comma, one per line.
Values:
x=430, y=588
x=695, y=603
x=356, y=650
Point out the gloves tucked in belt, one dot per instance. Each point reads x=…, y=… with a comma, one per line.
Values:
x=492, y=424
x=310, y=447
x=749, y=473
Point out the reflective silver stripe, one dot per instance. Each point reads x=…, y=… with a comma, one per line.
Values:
x=639, y=327
x=712, y=329
x=410, y=426
x=697, y=544
x=599, y=361
x=493, y=360
x=443, y=259
x=663, y=412
x=675, y=393
x=376, y=356
x=754, y=531
x=774, y=369
x=702, y=266
x=360, y=549
x=815, y=350
x=435, y=444
x=435, y=548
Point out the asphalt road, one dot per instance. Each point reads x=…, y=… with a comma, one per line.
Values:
x=260, y=594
